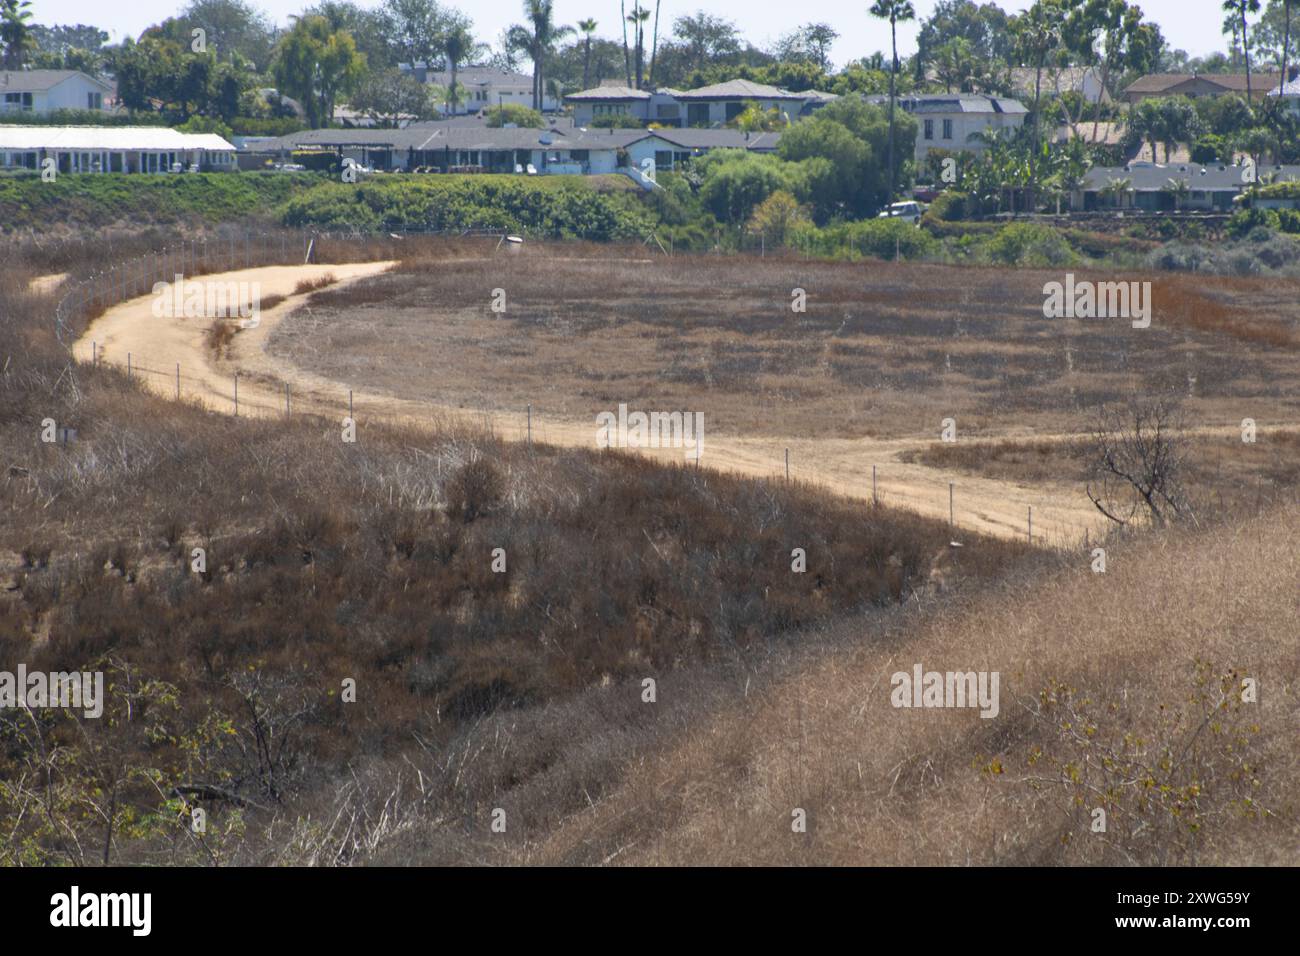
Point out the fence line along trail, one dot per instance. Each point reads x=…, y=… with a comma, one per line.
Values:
x=1062, y=513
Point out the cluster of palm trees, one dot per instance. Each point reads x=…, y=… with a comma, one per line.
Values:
x=539, y=35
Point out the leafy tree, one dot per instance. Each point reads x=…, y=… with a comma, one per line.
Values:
x=412, y=27
x=314, y=64
x=372, y=30
x=1126, y=43
x=386, y=96
x=777, y=217
x=707, y=38
x=514, y=113
x=810, y=43
x=230, y=27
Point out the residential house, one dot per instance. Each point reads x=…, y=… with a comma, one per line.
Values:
x=448, y=147
x=951, y=121
x=1193, y=85
x=1289, y=93
x=481, y=87
x=43, y=91
x=1086, y=81
x=708, y=106
x=1146, y=187
x=113, y=149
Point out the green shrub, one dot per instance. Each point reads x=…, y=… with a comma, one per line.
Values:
x=879, y=238
x=1026, y=243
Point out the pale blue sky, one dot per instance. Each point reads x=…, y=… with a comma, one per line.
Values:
x=1192, y=25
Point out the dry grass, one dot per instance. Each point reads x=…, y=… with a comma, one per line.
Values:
x=523, y=689
x=884, y=350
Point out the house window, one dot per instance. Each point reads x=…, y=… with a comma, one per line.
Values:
x=947, y=129
x=697, y=114
x=579, y=155
x=929, y=129
x=21, y=101
x=734, y=110
x=94, y=101
x=663, y=159
x=609, y=109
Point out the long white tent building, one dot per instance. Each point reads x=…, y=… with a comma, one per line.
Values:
x=113, y=149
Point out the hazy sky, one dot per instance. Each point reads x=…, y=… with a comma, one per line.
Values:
x=1192, y=25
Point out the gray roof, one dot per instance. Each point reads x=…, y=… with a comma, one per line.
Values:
x=955, y=103
x=600, y=93
x=717, y=139
x=1215, y=177
x=739, y=90
x=481, y=76
x=38, y=80
x=436, y=136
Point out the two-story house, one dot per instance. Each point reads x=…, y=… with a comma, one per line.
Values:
x=951, y=121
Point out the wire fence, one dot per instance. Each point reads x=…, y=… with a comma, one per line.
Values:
x=209, y=388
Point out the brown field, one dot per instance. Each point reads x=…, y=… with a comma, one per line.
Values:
x=524, y=689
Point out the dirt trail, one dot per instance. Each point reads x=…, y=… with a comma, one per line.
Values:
x=1061, y=512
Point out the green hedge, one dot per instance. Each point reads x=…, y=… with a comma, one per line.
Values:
x=563, y=208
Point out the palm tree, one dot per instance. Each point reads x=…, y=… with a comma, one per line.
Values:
x=627, y=60
x=638, y=18
x=1116, y=189
x=1237, y=9
x=15, y=34
x=588, y=27
x=1179, y=190
x=459, y=45
x=893, y=11
x=654, y=47
x=537, y=38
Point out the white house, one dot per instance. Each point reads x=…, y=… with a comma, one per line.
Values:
x=113, y=149
x=950, y=121
x=482, y=86
x=42, y=91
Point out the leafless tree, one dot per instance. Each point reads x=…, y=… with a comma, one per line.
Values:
x=1137, y=462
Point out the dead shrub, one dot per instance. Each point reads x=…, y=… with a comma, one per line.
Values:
x=475, y=489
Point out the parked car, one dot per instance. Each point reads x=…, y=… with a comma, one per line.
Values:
x=909, y=211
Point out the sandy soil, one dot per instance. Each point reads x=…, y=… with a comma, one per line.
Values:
x=157, y=346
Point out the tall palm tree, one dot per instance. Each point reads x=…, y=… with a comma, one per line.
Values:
x=638, y=18
x=1237, y=9
x=537, y=37
x=588, y=27
x=893, y=11
x=654, y=48
x=627, y=60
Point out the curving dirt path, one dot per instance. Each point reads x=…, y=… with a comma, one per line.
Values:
x=157, y=346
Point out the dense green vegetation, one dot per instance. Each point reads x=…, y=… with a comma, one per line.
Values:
x=560, y=207
x=97, y=200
